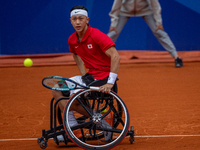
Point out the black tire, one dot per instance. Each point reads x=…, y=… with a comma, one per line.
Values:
x=39, y=140
x=43, y=144
x=131, y=138
x=92, y=133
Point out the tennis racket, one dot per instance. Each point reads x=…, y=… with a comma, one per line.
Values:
x=64, y=84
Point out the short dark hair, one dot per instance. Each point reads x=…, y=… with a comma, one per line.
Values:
x=78, y=7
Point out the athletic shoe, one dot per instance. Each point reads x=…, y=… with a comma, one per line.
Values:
x=76, y=132
x=178, y=62
x=104, y=124
x=60, y=138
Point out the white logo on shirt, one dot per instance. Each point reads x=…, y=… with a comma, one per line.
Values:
x=90, y=46
x=76, y=46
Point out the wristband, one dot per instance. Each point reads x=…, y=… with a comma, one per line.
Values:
x=112, y=78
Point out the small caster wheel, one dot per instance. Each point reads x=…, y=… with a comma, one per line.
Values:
x=43, y=144
x=131, y=138
x=39, y=140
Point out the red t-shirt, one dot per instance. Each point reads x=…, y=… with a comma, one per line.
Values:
x=92, y=51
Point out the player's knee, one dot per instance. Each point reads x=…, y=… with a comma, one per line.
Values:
x=56, y=94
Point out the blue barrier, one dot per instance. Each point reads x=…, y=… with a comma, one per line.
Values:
x=39, y=27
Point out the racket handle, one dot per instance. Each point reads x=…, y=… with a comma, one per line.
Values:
x=94, y=88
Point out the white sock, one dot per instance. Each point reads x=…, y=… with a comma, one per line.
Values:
x=72, y=122
x=72, y=119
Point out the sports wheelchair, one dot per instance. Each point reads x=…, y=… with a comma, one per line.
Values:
x=93, y=132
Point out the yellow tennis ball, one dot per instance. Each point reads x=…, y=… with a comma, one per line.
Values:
x=28, y=62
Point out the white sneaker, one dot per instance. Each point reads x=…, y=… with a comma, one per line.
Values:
x=72, y=122
x=105, y=124
x=60, y=138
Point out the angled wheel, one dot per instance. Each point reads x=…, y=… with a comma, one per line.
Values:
x=43, y=144
x=39, y=140
x=98, y=130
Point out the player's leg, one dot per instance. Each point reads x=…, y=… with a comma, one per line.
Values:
x=57, y=95
x=75, y=107
x=122, y=21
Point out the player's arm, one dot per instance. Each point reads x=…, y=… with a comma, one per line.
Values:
x=114, y=68
x=115, y=59
x=79, y=63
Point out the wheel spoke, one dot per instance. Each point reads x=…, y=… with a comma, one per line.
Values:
x=96, y=130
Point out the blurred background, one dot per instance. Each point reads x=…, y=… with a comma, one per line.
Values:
x=43, y=26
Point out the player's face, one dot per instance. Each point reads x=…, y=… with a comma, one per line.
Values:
x=79, y=22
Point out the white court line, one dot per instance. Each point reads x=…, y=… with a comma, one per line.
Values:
x=25, y=139
x=139, y=136
x=152, y=136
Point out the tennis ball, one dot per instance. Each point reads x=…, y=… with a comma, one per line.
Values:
x=28, y=62
x=103, y=111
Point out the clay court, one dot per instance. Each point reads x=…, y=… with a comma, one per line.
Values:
x=163, y=101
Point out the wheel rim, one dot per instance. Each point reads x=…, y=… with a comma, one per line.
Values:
x=89, y=133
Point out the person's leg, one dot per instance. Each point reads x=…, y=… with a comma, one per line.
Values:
x=161, y=36
x=57, y=95
x=75, y=105
x=122, y=21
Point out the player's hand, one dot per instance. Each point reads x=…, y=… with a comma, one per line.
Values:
x=159, y=27
x=105, y=88
x=113, y=29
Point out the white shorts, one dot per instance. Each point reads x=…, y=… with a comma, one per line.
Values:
x=79, y=80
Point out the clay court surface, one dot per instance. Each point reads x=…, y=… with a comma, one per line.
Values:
x=163, y=102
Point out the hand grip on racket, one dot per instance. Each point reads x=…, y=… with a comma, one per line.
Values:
x=64, y=84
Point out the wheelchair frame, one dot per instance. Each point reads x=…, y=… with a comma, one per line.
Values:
x=56, y=130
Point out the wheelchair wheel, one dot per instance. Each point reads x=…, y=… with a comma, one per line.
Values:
x=96, y=130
